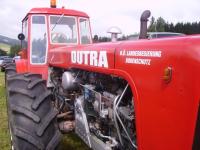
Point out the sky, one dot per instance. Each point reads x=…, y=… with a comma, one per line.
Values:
x=124, y=14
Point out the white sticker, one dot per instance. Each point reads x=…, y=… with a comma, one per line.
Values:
x=142, y=57
x=138, y=61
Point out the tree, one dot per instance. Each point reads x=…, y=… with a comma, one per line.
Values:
x=14, y=50
x=157, y=26
x=186, y=28
x=96, y=38
x=152, y=25
x=104, y=39
x=160, y=25
x=2, y=52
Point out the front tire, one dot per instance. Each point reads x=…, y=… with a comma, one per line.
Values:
x=10, y=69
x=32, y=119
x=2, y=69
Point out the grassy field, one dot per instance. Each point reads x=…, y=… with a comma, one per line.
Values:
x=4, y=134
x=69, y=141
x=5, y=47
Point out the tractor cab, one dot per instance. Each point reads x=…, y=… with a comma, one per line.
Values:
x=44, y=29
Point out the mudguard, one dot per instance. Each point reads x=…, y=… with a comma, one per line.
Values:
x=21, y=66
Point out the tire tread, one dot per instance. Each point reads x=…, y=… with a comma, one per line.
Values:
x=22, y=92
x=25, y=112
x=40, y=99
x=54, y=141
x=25, y=135
x=35, y=109
x=46, y=121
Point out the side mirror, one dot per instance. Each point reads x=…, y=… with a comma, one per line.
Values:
x=21, y=36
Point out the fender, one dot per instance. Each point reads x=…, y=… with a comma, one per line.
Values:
x=21, y=66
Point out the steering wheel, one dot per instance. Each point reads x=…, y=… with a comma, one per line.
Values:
x=57, y=37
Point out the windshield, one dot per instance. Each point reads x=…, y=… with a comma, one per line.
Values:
x=63, y=30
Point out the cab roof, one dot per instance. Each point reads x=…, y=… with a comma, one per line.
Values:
x=57, y=11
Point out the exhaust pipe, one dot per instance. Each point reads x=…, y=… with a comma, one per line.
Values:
x=143, y=24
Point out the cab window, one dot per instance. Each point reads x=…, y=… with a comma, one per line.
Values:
x=25, y=32
x=38, y=40
x=85, y=31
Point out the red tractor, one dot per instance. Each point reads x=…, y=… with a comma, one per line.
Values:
x=128, y=95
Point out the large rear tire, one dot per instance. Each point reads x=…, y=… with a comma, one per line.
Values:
x=32, y=119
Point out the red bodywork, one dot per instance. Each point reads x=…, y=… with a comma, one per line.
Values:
x=166, y=113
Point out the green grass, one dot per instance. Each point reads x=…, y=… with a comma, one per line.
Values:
x=69, y=141
x=5, y=47
x=72, y=142
x=4, y=133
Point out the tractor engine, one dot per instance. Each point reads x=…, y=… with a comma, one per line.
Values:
x=102, y=106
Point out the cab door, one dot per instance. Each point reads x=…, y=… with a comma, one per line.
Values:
x=38, y=46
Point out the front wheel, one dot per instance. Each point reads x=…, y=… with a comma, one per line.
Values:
x=10, y=69
x=32, y=119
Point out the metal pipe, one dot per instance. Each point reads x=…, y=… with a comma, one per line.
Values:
x=116, y=113
x=66, y=114
x=115, y=105
x=125, y=130
x=122, y=95
x=143, y=24
x=114, y=142
x=115, y=120
x=76, y=76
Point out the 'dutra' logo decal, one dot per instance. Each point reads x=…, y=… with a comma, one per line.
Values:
x=91, y=58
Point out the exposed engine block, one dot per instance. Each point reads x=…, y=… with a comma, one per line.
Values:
x=104, y=110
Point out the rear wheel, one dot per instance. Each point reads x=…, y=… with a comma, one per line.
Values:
x=32, y=119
